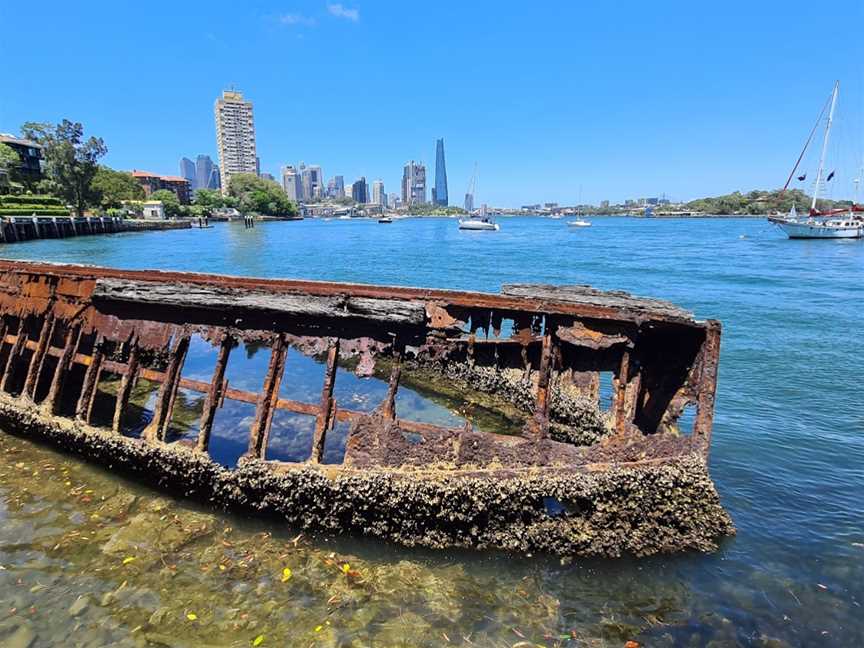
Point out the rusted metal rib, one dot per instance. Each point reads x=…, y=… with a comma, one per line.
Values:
x=388, y=408
x=324, y=420
x=541, y=404
x=214, y=395
x=38, y=357
x=266, y=406
x=127, y=382
x=70, y=346
x=84, y=407
x=163, y=409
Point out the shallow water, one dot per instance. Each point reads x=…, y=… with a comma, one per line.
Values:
x=786, y=457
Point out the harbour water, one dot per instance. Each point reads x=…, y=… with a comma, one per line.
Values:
x=89, y=559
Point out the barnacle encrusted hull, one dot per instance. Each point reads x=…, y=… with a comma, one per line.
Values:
x=655, y=507
x=594, y=457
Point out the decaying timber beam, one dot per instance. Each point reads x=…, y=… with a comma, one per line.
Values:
x=84, y=408
x=127, y=382
x=215, y=393
x=163, y=409
x=38, y=357
x=70, y=347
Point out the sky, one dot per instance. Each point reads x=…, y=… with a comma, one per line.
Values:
x=554, y=101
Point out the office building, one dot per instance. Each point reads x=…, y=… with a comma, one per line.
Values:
x=378, y=195
x=413, y=184
x=235, y=136
x=206, y=173
x=360, y=190
x=187, y=170
x=291, y=183
x=439, y=193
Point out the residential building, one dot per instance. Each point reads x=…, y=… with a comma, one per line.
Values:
x=604, y=204
x=360, y=190
x=32, y=164
x=187, y=170
x=413, y=184
x=291, y=183
x=338, y=187
x=206, y=173
x=235, y=136
x=392, y=200
x=378, y=195
x=154, y=182
x=153, y=209
x=439, y=193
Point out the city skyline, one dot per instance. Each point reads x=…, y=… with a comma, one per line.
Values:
x=640, y=109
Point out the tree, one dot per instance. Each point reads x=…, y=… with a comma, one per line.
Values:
x=260, y=196
x=113, y=187
x=170, y=202
x=71, y=162
x=9, y=162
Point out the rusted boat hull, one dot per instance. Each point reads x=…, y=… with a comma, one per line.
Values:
x=576, y=480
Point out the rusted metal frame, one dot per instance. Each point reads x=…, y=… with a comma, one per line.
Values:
x=70, y=346
x=620, y=403
x=707, y=387
x=388, y=407
x=164, y=407
x=544, y=381
x=84, y=408
x=36, y=360
x=266, y=406
x=214, y=395
x=324, y=420
x=127, y=382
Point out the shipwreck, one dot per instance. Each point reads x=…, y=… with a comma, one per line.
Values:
x=610, y=400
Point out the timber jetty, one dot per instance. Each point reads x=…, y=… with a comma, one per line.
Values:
x=578, y=478
x=14, y=229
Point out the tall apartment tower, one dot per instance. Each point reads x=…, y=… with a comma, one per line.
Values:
x=235, y=136
x=378, y=195
x=413, y=184
x=360, y=190
x=440, y=192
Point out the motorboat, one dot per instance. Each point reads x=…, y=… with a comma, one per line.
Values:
x=385, y=219
x=579, y=222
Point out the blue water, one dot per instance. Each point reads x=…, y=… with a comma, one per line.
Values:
x=788, y=446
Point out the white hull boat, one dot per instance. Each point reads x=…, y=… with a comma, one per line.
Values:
x=579, y=223
x=478, y=224
x=816, y=228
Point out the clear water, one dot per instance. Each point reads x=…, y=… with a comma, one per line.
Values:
x=787, y=458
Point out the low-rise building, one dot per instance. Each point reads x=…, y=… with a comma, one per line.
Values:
x=32, y=164
x=154, y=182
x=153, y=209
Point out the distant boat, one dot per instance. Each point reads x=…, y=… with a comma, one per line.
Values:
x=831, y=224
x=385, y=219
x=579, y=223
x=344, y=217
x=479, y=223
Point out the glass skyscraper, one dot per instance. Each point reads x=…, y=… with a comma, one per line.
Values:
x=440, y=193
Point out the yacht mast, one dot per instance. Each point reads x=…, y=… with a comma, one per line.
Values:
x=825, y=146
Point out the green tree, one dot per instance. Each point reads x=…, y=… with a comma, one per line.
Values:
x=170, y=202
x=206, y=200
x=113, y=187
x=71, y=162
x=9, y=163
x=256, y=195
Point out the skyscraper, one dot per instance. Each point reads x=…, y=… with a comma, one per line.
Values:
x=290, y=183
x=338, y=186
x=360, y=191
x=187, y=170
x=413, y=184
x=440, y=192
x=235, y=136
x=206, y=173
x=378, y=195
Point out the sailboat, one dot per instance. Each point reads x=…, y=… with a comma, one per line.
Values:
x=831, y=224
x=481, y=222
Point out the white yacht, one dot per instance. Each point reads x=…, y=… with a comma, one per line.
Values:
x=481, y=222
x=579, y=222
x=832, y=224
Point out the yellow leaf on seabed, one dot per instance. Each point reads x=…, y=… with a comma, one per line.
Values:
x=192, y=616
x=128, y=559
x=346, y=568
x=286, y=574
x=319, y=628
x=258, y=640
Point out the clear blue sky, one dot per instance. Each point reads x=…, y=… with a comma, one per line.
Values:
x=622, y=99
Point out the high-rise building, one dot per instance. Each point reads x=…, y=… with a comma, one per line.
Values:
x=187, y=170
x=206, y=173
x=290, y=183
x=440, y=196
x=392, y=200
x=469, y=202
x=378, y=195
x=312, y=181
x=235, y=136
x=413, y=184
x=360, y=190
x=338, y=187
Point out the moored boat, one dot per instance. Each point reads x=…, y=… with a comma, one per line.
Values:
x=579, y=222
x=479, y=223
